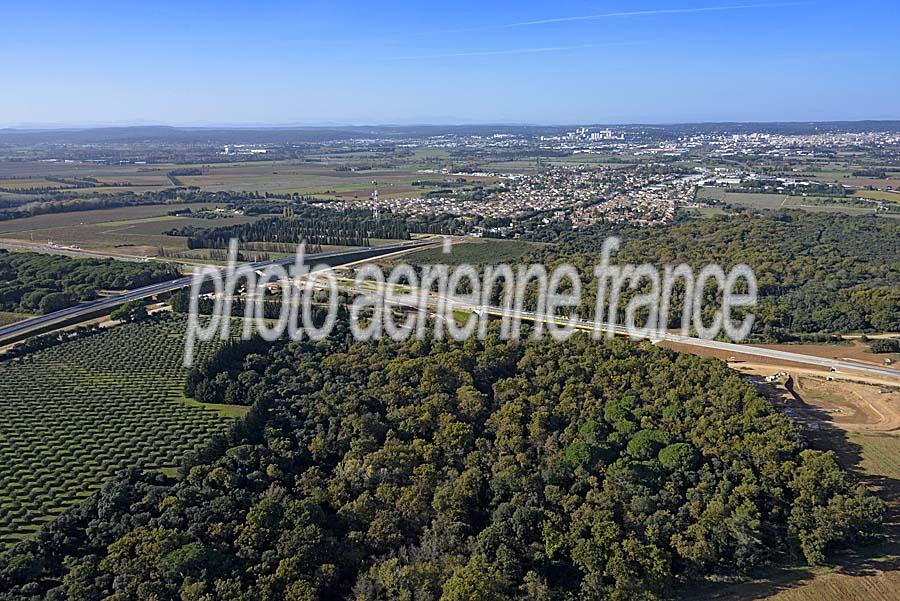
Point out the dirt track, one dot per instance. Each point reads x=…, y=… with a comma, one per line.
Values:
x=852, y=406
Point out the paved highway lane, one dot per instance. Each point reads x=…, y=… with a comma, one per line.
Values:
x=658, y=336
x=730, y=347
x=21, y=329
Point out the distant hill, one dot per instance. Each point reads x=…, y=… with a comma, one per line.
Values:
x=286, y=135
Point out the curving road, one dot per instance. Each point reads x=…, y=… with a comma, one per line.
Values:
x=655, y=336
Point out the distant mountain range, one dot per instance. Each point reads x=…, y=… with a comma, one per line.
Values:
x=307, y=134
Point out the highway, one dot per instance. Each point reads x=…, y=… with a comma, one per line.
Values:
x=730, y=347
x=23, y=328
x=55, y=249
x=655, y=336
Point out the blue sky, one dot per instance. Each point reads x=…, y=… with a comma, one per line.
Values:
x=567, y=61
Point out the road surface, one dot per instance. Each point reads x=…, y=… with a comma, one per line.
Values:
x=730, y=347
x=56, y=249
x=836, y=365
x=23, y=328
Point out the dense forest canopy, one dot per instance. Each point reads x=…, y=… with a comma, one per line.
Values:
x=817, y=272
x=484, y=470
x=42, y=283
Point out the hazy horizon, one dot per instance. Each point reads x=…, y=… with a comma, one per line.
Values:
x=611, y=62
x=449, y=124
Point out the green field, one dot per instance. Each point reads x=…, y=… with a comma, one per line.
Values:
x=880, y=454
x=878, y=195
x=139, y=231
x=703, y=212
x=134, y=231
x=74, y=414
x=346, y=176
x=757, y=201
x=814, y=204
x=483, y=252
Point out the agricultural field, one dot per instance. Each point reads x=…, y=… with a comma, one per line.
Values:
x=885, y=195
x=347, y=176
x=131, y=231
x=702, y=212
x=815, y=204
x=841, y=172
x=485, y=251
x=26, y=184
x=321, y=180
x=757, y=201
x=74, y=414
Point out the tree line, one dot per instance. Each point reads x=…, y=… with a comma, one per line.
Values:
x=311, y=224
x=43, y=283
x=818, y=273
x=68, y=202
